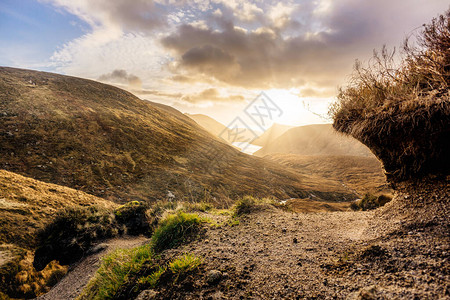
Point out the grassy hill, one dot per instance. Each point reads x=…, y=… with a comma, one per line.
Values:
x=318, y=139
x=105, y=141
x=357, y=173
x=26, y=205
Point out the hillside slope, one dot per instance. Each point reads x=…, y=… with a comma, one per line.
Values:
x=358, y=173
x=26, y=205
x=319, y=139
x=105, y=141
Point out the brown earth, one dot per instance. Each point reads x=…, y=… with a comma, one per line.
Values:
x=274, y=254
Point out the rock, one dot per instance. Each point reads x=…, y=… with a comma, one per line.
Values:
x=367, y=293
x=98, y=248
x=147, y=294
x=213, y=276
x=284, y=230
x=295, y=241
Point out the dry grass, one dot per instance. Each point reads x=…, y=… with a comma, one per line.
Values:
x=401, y=111
x=356, y=173
x=27, y=205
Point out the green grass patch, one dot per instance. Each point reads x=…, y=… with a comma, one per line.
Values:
x=184, y=265
x=244, y=206
x=152, y=280
x=115, y=270
x=176, y=229
x=247, y=204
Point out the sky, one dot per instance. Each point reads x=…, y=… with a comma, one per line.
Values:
x=211, y=57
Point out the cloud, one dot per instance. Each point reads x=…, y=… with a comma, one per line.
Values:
x=135, y=15
x=158, y=93
x=255, y=44
x=122, y=77
x=294, y=45
x=211, y=95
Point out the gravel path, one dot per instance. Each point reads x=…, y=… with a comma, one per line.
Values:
x=274, y=254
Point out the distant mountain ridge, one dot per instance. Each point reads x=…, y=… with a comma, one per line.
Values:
x=221, y=131
x=319, y=139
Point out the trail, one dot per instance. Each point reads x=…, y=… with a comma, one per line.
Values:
x=277, y=254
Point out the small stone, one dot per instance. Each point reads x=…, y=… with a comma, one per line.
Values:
x=99, y=247
x=284, y=230
x=213, y=276
x=147, y=294
x=295, y=240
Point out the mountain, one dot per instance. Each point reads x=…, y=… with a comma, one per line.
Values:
x=221, y=131
x=320, y=139
x=271, y=134
x=107, y=142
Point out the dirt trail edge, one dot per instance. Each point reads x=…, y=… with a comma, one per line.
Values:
x=274, y=254
x=79, y=275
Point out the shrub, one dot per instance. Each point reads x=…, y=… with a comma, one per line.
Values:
x=244, y=206
x=369, y=202
x=184, y=264
x=133, y=216
x=114, y=272
x=399, y=106
x=72, y=233
x=175, y=229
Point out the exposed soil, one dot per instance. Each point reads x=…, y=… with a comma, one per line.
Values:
x=79, y=274
x=273, y=254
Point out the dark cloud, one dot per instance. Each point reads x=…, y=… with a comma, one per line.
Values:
x=158, y=93
x=213, y=95
x=122, y=77
x=313, y=46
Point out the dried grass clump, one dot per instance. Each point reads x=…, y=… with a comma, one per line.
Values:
x=399, y=105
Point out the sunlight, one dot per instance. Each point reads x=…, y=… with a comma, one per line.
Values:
x=297, y=110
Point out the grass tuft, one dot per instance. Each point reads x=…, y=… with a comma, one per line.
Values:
x=244, y=206
x=175, y=229
x=152, y=280
x=184, y=265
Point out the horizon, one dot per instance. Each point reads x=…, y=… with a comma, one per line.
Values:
x=210, y=57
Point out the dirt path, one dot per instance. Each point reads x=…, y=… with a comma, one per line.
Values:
x=277, y=254
x=273, y=254
x=80, y=274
